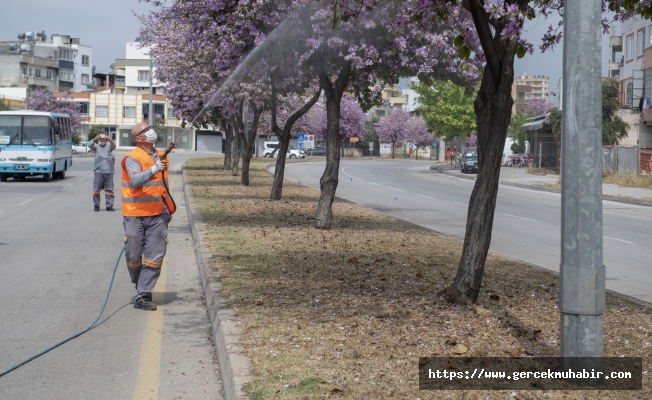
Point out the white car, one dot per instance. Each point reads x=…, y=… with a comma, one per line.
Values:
x=82, y=148
x=292, y=151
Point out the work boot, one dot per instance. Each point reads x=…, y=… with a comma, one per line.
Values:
x=144, y=304
x=110, y=209
x=148, y=296
x=96, y=208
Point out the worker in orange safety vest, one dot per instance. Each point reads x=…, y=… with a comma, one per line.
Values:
x=147, y=209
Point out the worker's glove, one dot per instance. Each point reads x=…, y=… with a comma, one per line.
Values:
x=160, y=166
x=165, y=163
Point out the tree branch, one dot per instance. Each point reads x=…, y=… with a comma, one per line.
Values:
x=294, y=117
x=484, y=34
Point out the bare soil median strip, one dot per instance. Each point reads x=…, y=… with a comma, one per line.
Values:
x=346, y=313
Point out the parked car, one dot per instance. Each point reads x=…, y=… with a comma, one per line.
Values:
x=469, y=162
x=81, y=148
x=317, y=151
x=293, y=152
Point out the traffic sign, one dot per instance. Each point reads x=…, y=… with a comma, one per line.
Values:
x=301, y=137
x=300, y=144
x=410, y=146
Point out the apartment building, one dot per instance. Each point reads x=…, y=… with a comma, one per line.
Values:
x=63, y=64
x=119, y=111
x=540, y=86
x=519, y=93
x=631, y=62
x=120, y=99
x=133, y=71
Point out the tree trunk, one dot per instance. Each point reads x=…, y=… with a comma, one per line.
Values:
x=284, y=138
x=279, y=170
x=493, y=106
x=235, y=148
x=330, y=178
x=250, y=138
x=227, y=146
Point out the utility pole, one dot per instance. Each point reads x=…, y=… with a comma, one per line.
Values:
x=582, y=275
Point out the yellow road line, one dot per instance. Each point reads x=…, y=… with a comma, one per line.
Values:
x=149, y=364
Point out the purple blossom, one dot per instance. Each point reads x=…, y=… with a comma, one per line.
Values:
x=44, y=100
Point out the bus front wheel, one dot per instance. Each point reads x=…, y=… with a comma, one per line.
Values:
x=47, y=177
x=3, y=177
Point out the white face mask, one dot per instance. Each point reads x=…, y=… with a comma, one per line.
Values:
x=151, y=136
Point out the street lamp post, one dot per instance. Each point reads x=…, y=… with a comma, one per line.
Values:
x=582, y=275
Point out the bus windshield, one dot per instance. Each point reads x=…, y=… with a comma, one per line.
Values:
x=35, y=130
x=10, y=129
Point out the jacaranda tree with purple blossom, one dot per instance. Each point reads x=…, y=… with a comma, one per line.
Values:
x=352, y=120
x=417, y=132
x=537, y=107
x=44, y=100
x=393, y=128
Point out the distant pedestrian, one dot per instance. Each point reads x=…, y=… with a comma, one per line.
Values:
x=104, y=169
x=147, y=209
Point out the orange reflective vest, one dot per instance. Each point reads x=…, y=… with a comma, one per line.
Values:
x=147, y=200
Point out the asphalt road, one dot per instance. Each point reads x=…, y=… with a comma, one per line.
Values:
x=56, y=260
x=527, y=223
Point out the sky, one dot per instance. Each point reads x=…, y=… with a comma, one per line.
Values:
x=104, y=25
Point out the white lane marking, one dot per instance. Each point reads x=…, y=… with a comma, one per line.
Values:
x=516, y=216
x=377, y=184
x=25, y=202
x=462, y=204
x=423, y=195
x=67, y=185
x=400, y=190
x=350, y=176
x=620, y=240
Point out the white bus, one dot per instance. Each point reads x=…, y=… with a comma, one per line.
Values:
x=34, y=143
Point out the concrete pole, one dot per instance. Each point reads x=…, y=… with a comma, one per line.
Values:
x=582, y=275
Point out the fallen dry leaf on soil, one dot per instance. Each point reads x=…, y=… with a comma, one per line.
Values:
x=269, y=253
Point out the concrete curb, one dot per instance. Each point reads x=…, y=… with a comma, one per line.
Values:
x=608, y=197
x=234, y=366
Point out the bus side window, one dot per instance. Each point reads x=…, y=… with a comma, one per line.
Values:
x=68, y=129
x=57, y=129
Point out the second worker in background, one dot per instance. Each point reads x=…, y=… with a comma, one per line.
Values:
x=104, y=169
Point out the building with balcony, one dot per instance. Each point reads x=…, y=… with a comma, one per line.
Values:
x=519, y=93
x=393, y=97
x=118, y=112
x=539, y=84
x=616, y=58
x=62, y=64
x=132, y=73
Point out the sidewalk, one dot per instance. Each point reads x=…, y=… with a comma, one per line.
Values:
x=519, y=177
